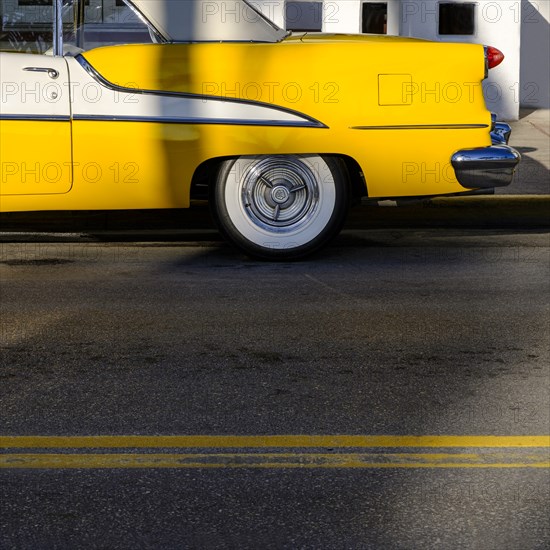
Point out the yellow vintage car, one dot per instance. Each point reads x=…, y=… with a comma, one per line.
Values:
x=152, y=104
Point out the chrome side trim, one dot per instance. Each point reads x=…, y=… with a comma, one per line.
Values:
x=158, y=120
x=423, y=127
x=485, y=167
x=49, y=118
x=309, y=122
x=188, y=120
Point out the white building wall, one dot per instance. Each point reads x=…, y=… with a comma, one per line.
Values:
x=535, y=54
x=342, y=16
x=394, y=17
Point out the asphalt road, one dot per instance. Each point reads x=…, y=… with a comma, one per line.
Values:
x=383, y=334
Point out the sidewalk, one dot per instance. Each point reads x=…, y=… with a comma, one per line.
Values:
x=531, y=137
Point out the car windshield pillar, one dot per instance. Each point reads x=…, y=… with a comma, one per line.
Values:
x=58, y=28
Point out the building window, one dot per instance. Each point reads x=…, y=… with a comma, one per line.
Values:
x=375, y=18
x=304, y=16
x=455, y=18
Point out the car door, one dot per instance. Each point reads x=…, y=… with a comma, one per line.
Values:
x=35, y=121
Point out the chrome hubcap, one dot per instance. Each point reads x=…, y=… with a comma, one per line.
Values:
x=280, y=193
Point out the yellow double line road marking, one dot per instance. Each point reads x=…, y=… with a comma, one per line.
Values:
x=308, y=451
x=278, y=441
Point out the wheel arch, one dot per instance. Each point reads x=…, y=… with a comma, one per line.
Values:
x=204, y=177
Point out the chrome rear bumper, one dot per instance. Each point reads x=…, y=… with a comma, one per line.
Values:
x=500, y=131
x=487, y=167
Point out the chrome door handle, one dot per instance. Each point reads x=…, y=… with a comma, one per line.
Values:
x=52, y=73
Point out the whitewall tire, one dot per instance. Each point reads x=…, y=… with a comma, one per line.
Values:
x=280, y=207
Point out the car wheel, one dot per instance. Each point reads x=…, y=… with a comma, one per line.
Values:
x=280, y=207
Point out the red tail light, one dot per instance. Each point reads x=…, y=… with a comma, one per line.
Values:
x=494, y=57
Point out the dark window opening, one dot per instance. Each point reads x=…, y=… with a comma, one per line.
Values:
x=457, y=18
x=375, y=18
